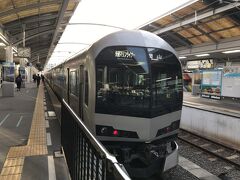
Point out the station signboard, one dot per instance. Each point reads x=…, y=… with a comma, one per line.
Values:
x=24, y=52
x=201, y=64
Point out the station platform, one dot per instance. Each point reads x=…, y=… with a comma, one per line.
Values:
x=224, y=106
x=30, y=133
x=216, y=120
x=30, y=137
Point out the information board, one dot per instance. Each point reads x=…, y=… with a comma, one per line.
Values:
x=231, y=81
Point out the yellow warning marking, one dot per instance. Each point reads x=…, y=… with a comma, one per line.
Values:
x=11, y=177
x=14, y=162
x=37, y=143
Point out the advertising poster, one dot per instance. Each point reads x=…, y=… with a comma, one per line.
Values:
x=211, y=84
x=231, y=81
x=8, y=71
x=22, y=72
x=187, y=82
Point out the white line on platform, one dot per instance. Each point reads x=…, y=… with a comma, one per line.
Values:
x=51, y=169
x=46, y=114
x=196, y=170
x=51, y=114
x=21, y=117
x=49, y=141
x=4, y=119
x=47, y=124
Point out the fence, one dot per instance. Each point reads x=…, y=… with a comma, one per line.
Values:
x=86, y=157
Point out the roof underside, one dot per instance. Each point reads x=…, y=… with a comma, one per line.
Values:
x=203, y=22
x=40, y=18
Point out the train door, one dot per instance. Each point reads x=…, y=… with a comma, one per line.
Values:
x=68, y=86
x=81, y=91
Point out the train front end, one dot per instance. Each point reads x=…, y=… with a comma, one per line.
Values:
x=138, y=106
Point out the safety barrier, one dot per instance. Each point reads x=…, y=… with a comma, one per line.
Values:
x=86, y=157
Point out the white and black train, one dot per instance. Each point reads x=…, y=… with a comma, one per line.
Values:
x=127, y=89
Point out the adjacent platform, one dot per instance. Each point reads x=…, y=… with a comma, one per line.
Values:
x=224, y=106
x=217, y=120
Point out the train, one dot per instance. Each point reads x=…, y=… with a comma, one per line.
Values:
x=128, y=90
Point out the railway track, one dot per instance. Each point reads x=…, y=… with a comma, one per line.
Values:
x=220, y=151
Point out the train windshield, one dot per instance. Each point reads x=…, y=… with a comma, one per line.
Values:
x=136, y=81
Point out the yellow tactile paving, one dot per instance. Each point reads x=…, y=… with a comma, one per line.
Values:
x=11, y=170
x=37, y=143
x=11, y=177
x=23, y=151
x=14, y=162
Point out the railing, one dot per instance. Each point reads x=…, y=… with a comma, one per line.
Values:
x=86, y=157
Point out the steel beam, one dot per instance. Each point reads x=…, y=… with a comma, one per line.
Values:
x=31, y=19
x=39, y=47
x=41, y=59
x=32, y=31
x=4, y=35
x=211, y=32
x=40, y=50
x=45, y=41
x=40, y=55
x=60, y=18
x=224, y=45
x=34, y=35
x=198, y=18
x=28, y=7
x=204, y=33
x=178, y=39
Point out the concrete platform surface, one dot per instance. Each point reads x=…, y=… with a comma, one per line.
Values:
x=224, y=106
x=29, y=137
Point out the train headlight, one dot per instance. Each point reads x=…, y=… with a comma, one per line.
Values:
x=173, y=126
x=104, y=130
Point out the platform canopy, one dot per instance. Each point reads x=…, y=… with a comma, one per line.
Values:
x=54, y=33
x=94, y=19
x=208, y=27
x=43, y=22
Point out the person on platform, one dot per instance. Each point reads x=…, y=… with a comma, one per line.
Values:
x=42, y=77
x=38, y=80
x=34, y=78
x=19, y=82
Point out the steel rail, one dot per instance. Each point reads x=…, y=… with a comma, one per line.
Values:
x=237, y=165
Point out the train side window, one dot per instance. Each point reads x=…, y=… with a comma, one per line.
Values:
x=73, y=82
x=86, y=88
